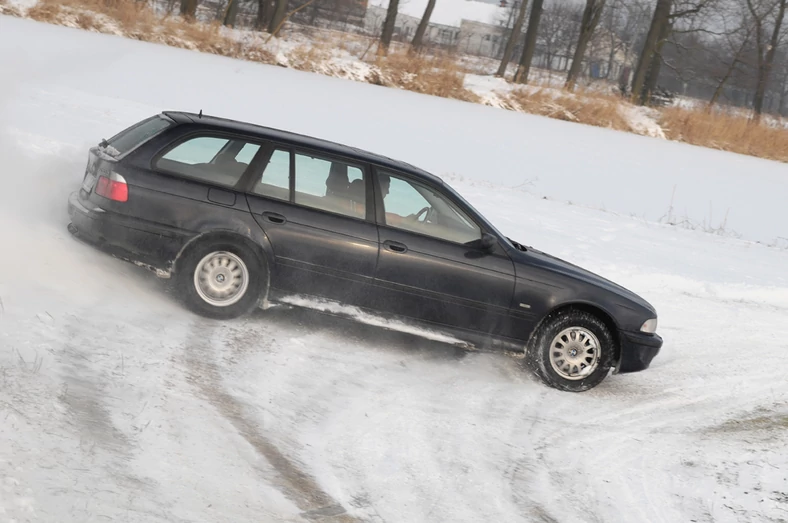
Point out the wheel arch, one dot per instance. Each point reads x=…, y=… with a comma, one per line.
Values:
x=589, y=308
x=264, y=254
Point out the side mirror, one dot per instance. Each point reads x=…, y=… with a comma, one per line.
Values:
x=487, y=241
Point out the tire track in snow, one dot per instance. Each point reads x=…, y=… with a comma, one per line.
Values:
x=296, y=484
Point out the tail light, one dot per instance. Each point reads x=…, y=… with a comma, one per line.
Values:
x=113, y=187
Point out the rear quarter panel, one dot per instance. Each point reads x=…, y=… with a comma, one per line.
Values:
x=179, y=208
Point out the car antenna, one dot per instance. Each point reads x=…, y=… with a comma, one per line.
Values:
x=200, y=115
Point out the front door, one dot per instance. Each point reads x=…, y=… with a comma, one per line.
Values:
x=313, y=209
x=431, y=266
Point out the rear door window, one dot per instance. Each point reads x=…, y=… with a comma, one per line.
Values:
x=330, y=185
x=275, y=182
x=136, y=135
x=216, y=159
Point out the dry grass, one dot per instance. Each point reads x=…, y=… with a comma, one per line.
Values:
x=588, y=108
x=136, y=20
x=726, y=132
x=436, y=75
x=309, y=57
x=9, y=10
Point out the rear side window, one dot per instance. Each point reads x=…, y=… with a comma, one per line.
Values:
x=219, y=160
x=137, y=134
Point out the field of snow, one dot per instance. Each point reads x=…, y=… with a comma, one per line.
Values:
x=117, y=404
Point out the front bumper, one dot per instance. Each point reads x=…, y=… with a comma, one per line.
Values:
x=637, y=351
x=124, y=237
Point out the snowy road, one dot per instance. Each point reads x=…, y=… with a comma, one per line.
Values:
x=117, y=404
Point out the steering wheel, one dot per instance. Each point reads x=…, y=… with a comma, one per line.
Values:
x=415, y=217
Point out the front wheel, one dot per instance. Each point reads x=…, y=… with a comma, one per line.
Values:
x=220, y=279
x=572, y=351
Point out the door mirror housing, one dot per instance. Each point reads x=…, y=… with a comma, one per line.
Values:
x=487, y=241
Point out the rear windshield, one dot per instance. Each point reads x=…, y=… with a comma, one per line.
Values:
x=127, y=140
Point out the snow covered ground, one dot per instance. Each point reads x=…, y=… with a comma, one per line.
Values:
x=117, y=404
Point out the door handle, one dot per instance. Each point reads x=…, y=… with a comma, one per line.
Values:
x=274, y=217
x=395, y=246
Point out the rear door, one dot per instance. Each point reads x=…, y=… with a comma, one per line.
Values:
x=313, y=208
x=431, y=266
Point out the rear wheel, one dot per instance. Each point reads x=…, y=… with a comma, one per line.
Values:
x=572, y=351
x=220, y=279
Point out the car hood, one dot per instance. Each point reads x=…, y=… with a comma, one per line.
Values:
x=535, y=257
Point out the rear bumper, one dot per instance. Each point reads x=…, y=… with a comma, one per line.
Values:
x=637, y=351
x=125, y=237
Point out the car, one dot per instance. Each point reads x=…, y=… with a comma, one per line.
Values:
x=239, y=215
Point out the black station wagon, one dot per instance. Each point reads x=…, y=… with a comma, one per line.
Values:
x=239, y=215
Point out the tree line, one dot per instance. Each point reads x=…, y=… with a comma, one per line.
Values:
x=726, y=51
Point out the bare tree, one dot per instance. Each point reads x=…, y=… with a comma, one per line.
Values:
x=591, y=15
x=188, y=8
x=667, y=14
x=558, y=32
x=263, y=14
x=285, y=17
x=761, y=12
x=524, y=67
x=422, y=28
x=388, y=27
x=613, y=41
x=278, y=17
x=652, y=74
x=659, y=22
x=231, y=13
x=729, y=52
x=511, y=42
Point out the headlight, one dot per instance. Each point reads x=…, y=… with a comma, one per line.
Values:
x=650, y=326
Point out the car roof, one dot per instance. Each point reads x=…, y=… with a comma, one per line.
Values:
x=300, y=139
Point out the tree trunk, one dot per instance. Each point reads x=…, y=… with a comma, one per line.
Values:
x=231, y=13
x=388, y=27
x=783, y=94
x=508, y=51
x=591, y=16
x=188, y=8
x=658, y=23
x=422, y=28
x=524, y=67
x=279, y=15
x=263, y=14
x=765, y=65
x=610, y=59
x=613, y=47
x=652, y=76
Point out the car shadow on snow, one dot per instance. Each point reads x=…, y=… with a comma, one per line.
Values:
x=295, y=321
x=348, y=330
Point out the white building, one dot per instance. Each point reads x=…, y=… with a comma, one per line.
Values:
x=475, y=28
x=405, y=28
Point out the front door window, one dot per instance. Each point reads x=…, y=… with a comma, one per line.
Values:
x=414, y=207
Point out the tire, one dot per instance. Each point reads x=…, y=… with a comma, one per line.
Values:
x=578, y=331
x=236, y=274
